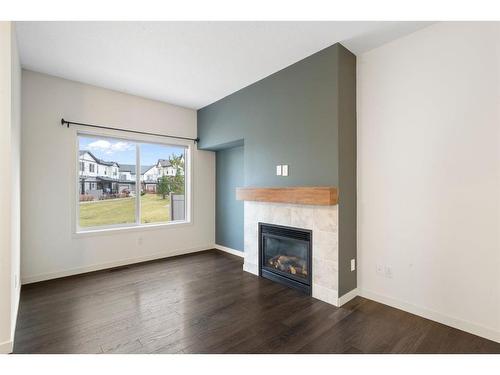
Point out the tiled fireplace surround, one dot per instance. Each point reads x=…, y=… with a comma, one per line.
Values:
x=322, y=220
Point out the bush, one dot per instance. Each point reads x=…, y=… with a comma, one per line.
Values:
x=86, y=198
x=143, y=193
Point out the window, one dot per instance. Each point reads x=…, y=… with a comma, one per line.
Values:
x=160, y=191
x=82, y=166
x=146, y=183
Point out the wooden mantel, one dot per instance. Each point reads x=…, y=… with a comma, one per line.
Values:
x=313, y=195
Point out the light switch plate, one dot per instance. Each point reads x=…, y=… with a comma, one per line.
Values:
x=284, y=170
x=278, y=170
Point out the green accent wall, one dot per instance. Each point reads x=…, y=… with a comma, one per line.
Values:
x=303, y=116
x=289, y=118
x=229, y=211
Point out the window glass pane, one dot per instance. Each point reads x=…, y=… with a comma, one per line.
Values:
x=106, y=181
x=162, y=183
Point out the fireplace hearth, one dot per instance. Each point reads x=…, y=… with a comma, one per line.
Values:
x=285, y=255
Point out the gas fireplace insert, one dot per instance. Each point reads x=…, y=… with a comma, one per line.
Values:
x=285, y=255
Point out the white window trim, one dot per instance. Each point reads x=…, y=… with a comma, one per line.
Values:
x=108, y=229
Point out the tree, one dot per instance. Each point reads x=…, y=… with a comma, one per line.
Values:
x=172, y=184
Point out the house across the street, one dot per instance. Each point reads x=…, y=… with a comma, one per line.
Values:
x=98, y=177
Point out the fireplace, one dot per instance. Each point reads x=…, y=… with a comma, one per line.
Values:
x=285, y=255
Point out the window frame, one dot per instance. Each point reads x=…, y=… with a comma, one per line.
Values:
x=137, y=225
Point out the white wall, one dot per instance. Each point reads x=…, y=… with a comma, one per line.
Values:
x=49, y=247
x=429, y=174
x=10, y=83
x=15, y=194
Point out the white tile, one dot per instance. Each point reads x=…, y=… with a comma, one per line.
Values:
x=325, y=273
x=302, y=217
x=281, y=215
x=325, y=245
x=324, y=223
x=264, y=213
x=325, y=218
x=325, y=294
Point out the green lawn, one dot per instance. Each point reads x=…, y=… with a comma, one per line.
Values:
x=121, y=211
x=154, y=209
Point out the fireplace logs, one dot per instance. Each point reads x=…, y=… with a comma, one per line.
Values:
x=285, y=256
x=290, y=264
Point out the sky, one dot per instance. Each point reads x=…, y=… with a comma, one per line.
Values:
x=123, y=151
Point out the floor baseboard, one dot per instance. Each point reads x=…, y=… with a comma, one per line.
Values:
x=6, y=347
x=16, y=315
x=325, y=294
x=251, y=268
x=342, y=300
x=469, y=327
x=229, y=250
x=103, y=266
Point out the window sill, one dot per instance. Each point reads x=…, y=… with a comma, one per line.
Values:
x=132, y=228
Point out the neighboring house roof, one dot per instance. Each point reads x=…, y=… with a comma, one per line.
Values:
x=146, y=168
x=99, y=161
x=163, y=163
x=83, y=152
x=127, y=168
x=108, y=163
x=131, y=168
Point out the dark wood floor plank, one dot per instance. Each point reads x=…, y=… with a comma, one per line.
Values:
x=205, y=303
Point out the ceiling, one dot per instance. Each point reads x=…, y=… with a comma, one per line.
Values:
x=191, y=64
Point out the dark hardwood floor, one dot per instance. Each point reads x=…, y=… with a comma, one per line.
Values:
x=205, y=303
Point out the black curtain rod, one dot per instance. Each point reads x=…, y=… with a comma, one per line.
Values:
x=68, y=123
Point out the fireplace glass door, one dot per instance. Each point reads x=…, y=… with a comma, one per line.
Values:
x=285, y=255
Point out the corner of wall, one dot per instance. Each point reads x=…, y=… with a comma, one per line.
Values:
x=347, y=170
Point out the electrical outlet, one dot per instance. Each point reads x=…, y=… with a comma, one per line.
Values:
x=284, y=170
x=353, y=265
x=388, y=272
x=380, y=269
x=278, y=170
